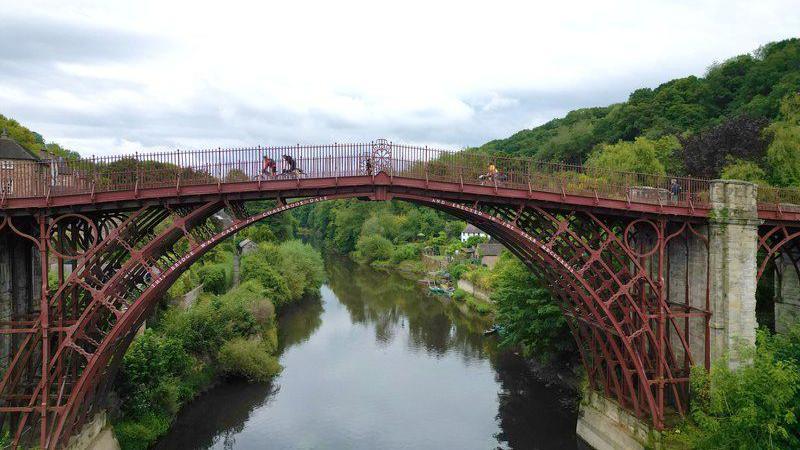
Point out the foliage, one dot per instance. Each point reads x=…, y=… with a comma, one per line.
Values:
x=754, y=406
x=236, y=175
x=372, y=248
x=405, y=252
x=751, y=85
x=472, y=241
x=31, y=140
x=458, y=270
x=275, y=228
x=783, y=154
x=641, y=155
x=148, y=364
x=213, y=277
x=205, y=327
x=140, y=433
x=287, y=271
x=481, y=277
x=528, y=313
x=481, y=308
x=248, y=358
x=302, y=267
x=738, y=138
x=744, y=170
x=255, y=266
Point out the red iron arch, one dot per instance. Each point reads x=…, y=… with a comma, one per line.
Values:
x=609, y=292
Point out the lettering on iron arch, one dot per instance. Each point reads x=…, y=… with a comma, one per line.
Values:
x=511, y=227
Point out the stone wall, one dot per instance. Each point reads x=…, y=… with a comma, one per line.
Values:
x=5, y=297
x=687, y=262
x=20, y=287
x=95, y=435
x=604, y=425
x=787, y=295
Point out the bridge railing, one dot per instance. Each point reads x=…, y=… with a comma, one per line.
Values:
x=214, y=166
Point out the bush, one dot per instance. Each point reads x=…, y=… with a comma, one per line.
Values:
x=256, y=266
x=287, y=271
x=248, y=358
x=150, y=359
x=481, y=277
x=755, y=406
x=203, y=328
x=405, y=252
x=744, y=170
x=213, y=277
x=459, y=295
x=458, y=270
x=140, y=433
x=263, y=311
x=373, y=248
x=303, y=268
x=478, y=306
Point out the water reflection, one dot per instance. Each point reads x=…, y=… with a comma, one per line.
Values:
x=375, y=363
x=391, y=302
x=204, y=424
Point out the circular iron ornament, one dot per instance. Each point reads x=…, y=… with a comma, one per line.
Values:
x=72, y=235
x=381, y=156
x=632, y=231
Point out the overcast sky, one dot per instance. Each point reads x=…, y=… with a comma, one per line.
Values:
x=106, y=77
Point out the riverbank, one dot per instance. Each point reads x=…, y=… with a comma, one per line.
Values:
x=227, y=332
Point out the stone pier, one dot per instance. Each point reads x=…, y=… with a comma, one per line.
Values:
x=732, y=263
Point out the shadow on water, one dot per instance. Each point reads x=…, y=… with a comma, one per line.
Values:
x=376, y=363
x=215, y=418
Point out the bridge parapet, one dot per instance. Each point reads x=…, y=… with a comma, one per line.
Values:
x=179, y=169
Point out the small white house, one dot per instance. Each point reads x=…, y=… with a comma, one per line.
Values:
x=472, y=230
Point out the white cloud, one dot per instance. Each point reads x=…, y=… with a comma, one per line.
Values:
x=100, y=75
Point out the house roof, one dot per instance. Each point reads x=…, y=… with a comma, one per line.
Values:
x=246, y=242
x=490, y=249
x=9, y=149
x=472, y=229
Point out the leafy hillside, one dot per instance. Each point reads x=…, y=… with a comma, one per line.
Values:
x=752, y=86
x=31, y=140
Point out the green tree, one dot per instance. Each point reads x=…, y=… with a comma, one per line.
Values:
x=783, y=154
x=529, y=314
x=640, y=156
x=374, y=248
x=744, y=170
x=213, y=277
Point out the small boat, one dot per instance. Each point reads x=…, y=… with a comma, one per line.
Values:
x=440, y=290
x=493, y=330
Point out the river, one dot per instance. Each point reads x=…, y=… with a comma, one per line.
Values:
x=375, y=363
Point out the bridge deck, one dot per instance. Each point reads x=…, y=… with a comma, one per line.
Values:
x=120, y=181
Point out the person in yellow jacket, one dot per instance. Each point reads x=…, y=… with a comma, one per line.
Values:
x=490, y=174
